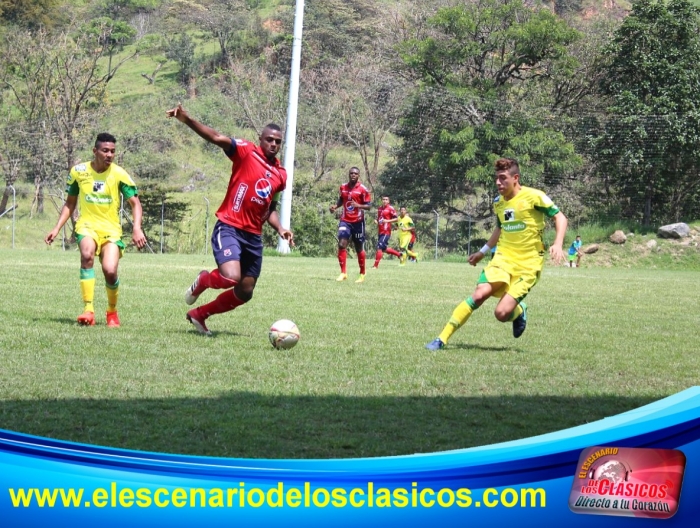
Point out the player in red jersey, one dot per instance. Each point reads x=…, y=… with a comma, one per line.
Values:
x=385, y=214
x=355, y=200
x=257, y=178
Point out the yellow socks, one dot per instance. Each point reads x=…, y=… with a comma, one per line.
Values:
x=112, y=296
x=459, y=317
x=516, y=313
x=87, y=288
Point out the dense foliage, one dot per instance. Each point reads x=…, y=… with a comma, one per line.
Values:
x=603, y=111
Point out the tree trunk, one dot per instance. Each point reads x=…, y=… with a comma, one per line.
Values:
x=192, y=87
x=5, y=198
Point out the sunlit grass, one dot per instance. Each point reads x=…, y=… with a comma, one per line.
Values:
x=360, y=383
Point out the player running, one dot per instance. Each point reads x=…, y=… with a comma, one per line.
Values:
x=517, y=265
x=406, y=229
x=355, y=200
x=251, y=199
x=385, y=214
x=95, y=187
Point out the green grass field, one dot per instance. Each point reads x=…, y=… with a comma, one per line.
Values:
x=599, y=342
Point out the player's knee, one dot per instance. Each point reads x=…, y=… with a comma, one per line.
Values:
x=502, y=315
x=111, y=276
x=231, y=275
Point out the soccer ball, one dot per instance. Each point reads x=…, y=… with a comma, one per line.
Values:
x=284, y=334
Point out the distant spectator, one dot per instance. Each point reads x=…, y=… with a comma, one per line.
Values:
x=575, y=253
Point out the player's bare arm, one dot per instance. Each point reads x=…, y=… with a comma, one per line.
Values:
x=333, y=208
x=203, y=131
x=273, y=219
x=475, y=258
x=66, y=212
x=556, y=250
x=138, y=236
x=366, y=207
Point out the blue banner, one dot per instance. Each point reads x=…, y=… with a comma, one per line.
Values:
x=526, y=482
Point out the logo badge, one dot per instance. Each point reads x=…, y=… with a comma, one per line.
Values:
x=263, y=188
x=628, y=482
x=98, y=186
x=238, y=200
x=509, y=215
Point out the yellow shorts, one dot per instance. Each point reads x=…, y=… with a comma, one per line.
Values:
x=404, y=241
x=517, y=280
x=100, y=239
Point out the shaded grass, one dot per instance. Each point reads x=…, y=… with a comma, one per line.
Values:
x=599, y=342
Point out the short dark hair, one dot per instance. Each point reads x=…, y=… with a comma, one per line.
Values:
x=105, y=137
x=356, y=168
x=508, y=164
x=273, y=126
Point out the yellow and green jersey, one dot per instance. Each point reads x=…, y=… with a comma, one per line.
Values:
x=98, y=194
x=522, y=221
x=404, y=236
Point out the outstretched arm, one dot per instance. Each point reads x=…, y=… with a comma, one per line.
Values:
x=208, y=133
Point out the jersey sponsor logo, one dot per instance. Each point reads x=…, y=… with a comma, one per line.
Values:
x=257, y=200
x=509, y=215
x=349, y=206
x=80, y=168
x=263, y=188
x=241, y=142
x=238, y=200
x=99, y=200
x=513, y=227
x=98, y=186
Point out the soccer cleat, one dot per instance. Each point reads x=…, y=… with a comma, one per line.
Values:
x=195, y=290
x=520, y=322
x=402, y=259
x=435, y=344
x=342, y=277
x=360, y=279
x=198, y=321
x=112, y=320
x=87, y=319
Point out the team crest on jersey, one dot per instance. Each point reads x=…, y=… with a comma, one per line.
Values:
x=98, y=186
x=263, y=188
x=509, y=215
x=268, y=174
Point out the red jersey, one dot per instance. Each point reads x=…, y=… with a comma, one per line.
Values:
x=253, y=184
x=359, y=194
x=385, y=213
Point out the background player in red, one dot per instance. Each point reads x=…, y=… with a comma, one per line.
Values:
x=385, y=214
x=355, y=200
x=251, y=199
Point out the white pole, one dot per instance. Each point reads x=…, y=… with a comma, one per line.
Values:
x=14, y=208
x=291, y=134
x=437, y=227
x=206, y=226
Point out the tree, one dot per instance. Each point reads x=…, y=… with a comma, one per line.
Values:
x=30, y=14
x=472, y=64
x=649, y=149
x=222, y=19
x=56, y=84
